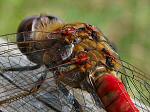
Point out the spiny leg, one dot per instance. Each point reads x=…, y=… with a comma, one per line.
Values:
x=72, y=100
x=87, y=85
x=24, y=68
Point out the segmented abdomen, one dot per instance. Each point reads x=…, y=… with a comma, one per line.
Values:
x=114, y=95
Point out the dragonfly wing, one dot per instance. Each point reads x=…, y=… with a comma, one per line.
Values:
x=35, y=90
x=137, y=84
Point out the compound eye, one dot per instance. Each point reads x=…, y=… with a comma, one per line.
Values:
x=26, y=24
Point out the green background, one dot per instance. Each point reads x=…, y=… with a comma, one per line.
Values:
x=125, y=22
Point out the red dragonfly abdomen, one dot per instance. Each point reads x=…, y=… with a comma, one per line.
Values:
x=114, y=95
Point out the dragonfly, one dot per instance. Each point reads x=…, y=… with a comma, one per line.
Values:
x=49, y=65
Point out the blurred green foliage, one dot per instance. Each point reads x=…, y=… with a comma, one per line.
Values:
x=125, y=22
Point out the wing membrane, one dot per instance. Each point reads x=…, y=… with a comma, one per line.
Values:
x=50, y=96
x=137, y=84
x=34, y=90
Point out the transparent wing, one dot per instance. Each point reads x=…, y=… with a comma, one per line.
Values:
x=137, y=84
x=35, y=89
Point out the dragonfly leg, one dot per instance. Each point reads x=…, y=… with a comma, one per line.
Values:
x=72, y=100
x=86, y=85
x=24, y=68
x=42, y=99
